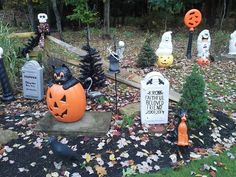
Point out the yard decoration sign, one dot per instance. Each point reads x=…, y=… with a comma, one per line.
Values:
x=154, y=99
x=32, y=80
x=192, y=19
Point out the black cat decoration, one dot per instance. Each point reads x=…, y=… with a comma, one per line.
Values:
x=62, y=76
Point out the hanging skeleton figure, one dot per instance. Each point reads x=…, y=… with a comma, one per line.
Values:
x=42, y=31
x=43, y=28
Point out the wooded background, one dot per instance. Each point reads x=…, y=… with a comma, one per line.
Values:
x=145, y=14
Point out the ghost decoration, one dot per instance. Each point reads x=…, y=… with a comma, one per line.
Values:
x=203, y=44
x=42, y=17
x=232, y=44
x=165, y=47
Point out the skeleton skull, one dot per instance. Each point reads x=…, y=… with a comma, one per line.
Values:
x=42, y=17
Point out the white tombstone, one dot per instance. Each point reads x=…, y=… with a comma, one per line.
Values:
x=203, y=43
x=165, y=47
x=232, y=44
x=42, y=17
x=32, y=78
x=154, y=99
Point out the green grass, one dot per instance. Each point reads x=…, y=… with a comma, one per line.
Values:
x=227, y=170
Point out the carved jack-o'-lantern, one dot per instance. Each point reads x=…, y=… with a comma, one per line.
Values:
x=66, y=105
x=203, y=61
x=165, y=60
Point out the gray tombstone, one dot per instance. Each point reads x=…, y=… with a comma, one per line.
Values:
x=32, y=78
x=154, y=99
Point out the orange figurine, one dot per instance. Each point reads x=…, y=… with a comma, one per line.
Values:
x=183, y=132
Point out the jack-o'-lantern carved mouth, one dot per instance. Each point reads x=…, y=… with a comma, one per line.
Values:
x=64, y=113
x=56, y=107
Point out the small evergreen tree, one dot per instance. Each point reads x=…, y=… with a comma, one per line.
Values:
x=91, y=66
x=147, y=55
x=193, y=100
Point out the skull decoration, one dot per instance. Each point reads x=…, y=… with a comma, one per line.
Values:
x=42, y=17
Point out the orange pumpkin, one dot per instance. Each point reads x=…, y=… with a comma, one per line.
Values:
x=66, y=105
x=203, y=61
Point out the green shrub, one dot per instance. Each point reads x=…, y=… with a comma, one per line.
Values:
x=193, y=100
x=11, y=50
x=147, y=55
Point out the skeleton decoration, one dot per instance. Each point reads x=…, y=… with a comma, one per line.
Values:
x=203, y=44
x=165, y=47
x=38, y=39
x=43, y=28
x=120, y=50
x=115, y=57
x=232, y=44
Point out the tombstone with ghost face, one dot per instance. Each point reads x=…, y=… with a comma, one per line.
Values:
x=232, y=44
x=203, y=44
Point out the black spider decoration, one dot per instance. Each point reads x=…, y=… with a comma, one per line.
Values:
x=63, y=76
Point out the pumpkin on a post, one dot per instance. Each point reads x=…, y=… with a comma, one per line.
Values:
x=66, y=99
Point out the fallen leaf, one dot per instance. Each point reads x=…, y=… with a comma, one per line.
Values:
x=112, y=157
x=212, y=173
x=101, y=171
x=87, y=157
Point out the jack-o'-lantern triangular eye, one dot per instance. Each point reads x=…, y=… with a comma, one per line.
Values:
x=50, y=95
x=55, y=105
x=64, y=98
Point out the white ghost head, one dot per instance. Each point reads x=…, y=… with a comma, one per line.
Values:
x=1, y=52
x=203, y=43
x=42, y=17
x=165, y=47
x=166, y=37
x=204, y=36
x=232, y=44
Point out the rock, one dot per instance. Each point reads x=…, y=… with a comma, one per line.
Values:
x=131, y=109
x=7, y=135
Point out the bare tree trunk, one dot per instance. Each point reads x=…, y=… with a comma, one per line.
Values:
x=223, y=14
x=107, y=18
x=58, y=17
x=31, y=14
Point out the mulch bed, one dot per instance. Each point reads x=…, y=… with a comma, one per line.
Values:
x=124, y=150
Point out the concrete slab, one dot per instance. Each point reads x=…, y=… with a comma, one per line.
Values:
x=92, y=124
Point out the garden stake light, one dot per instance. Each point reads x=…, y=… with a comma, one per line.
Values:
x=192, y=19
x=6, y=87
x=114, y=60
